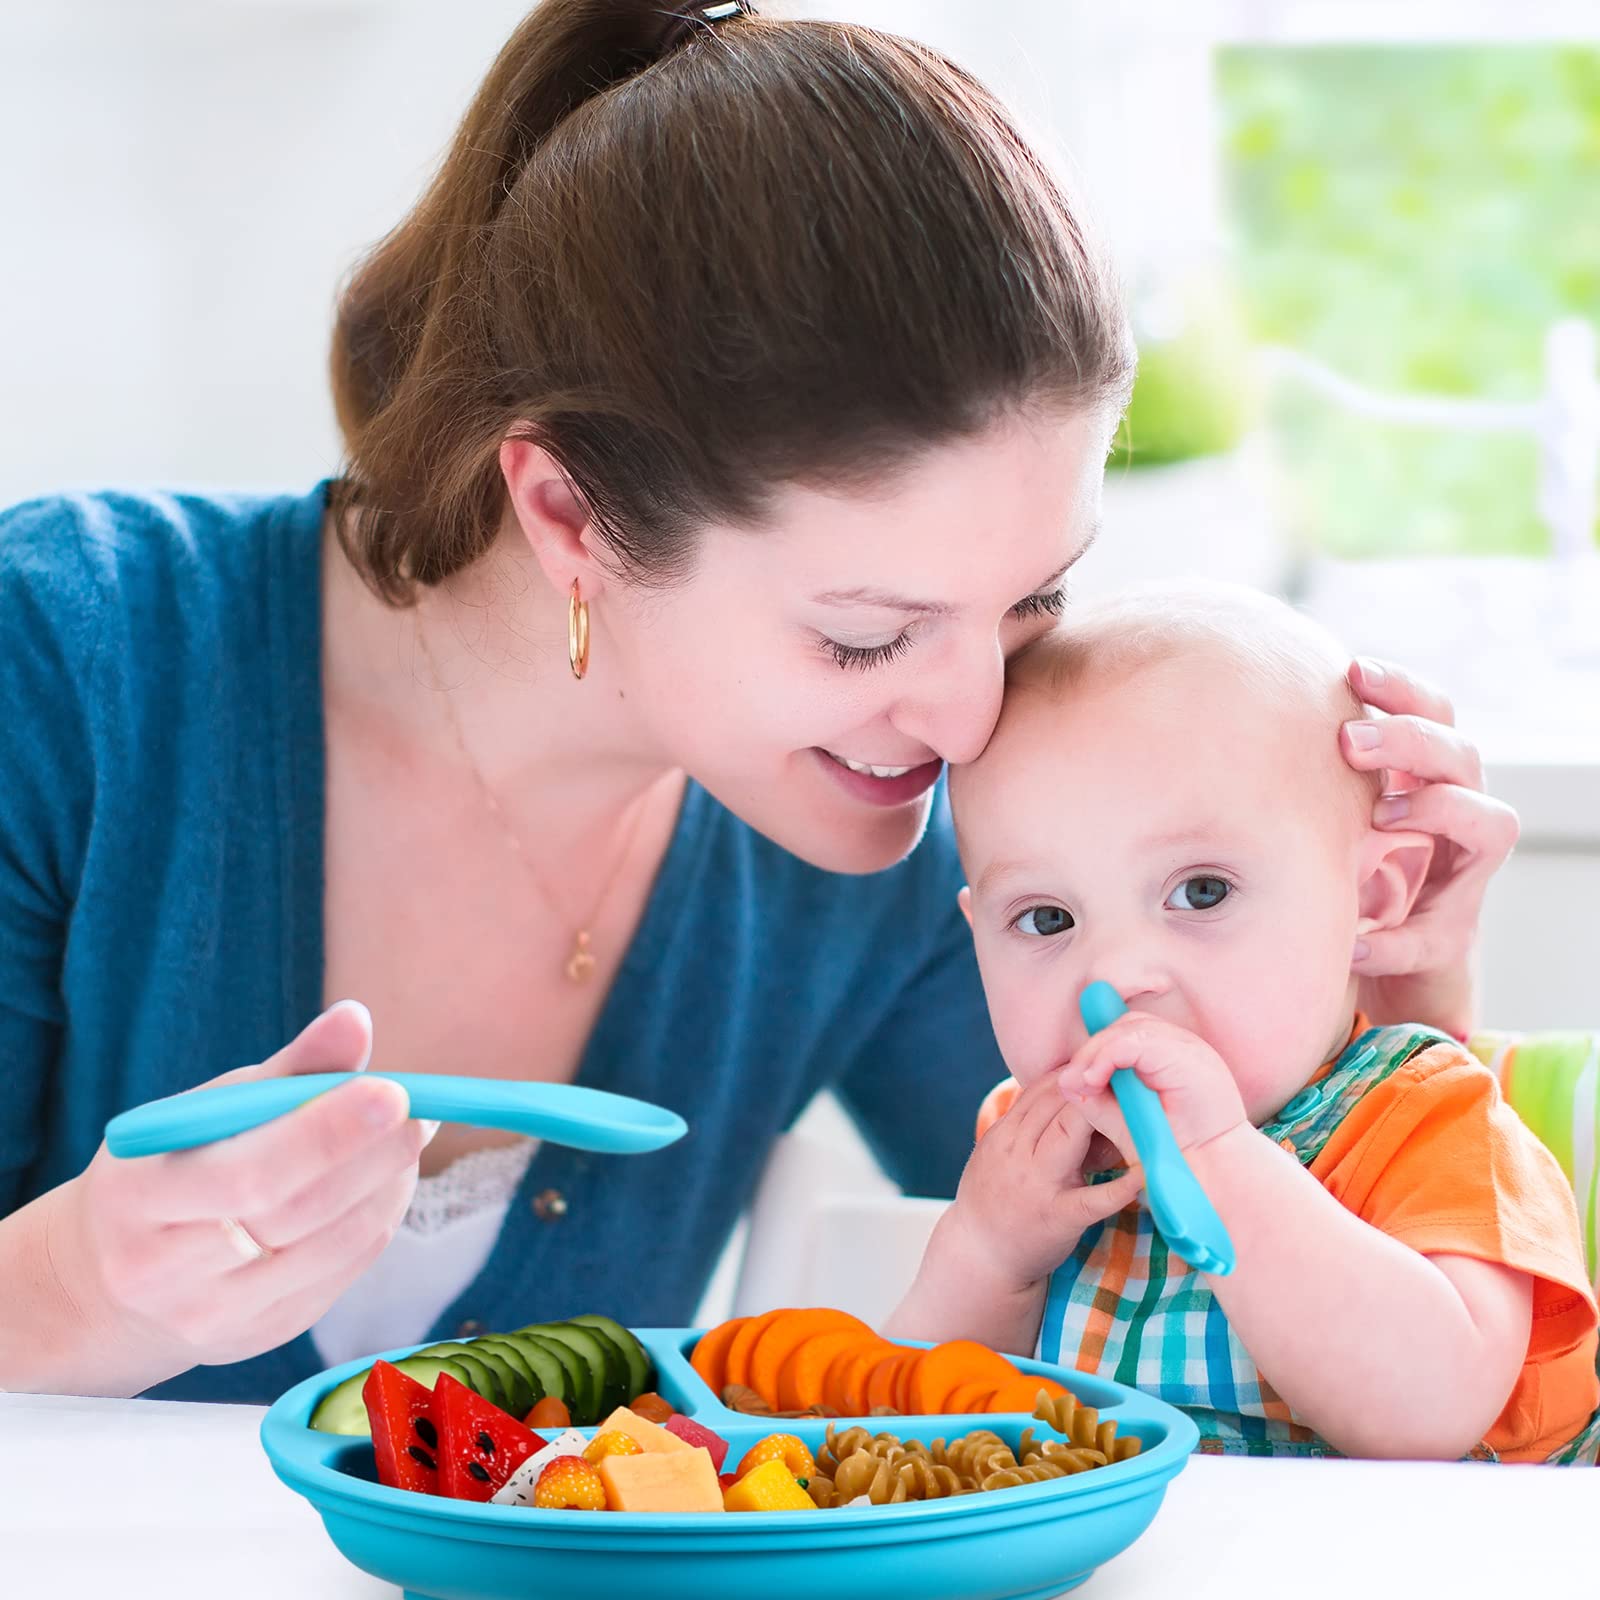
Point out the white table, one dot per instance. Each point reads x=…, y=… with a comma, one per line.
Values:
x=135, y=1498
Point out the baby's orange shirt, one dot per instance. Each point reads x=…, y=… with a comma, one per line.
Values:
x=1434, y=1157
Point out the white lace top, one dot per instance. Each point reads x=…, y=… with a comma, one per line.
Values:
x=441, y=1245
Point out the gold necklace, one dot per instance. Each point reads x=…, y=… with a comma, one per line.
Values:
x=580, y=963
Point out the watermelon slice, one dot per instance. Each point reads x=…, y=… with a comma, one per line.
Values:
x=480, y=1445
x=693, y=1433
x=405, y=1436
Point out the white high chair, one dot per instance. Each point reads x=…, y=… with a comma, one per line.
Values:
x=827, y=1228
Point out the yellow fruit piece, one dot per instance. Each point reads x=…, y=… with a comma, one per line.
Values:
x=769, y=1487
x=614, y=1443
x=784, y=1447
x=661, y=1481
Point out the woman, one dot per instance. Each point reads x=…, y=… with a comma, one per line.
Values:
x=760, y=370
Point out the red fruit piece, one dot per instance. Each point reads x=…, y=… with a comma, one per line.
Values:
x=480, y=1445
x=691, y=1432
x=405, y=1436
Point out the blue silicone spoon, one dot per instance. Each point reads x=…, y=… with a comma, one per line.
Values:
x=559, y=1113
x=1187, y=1220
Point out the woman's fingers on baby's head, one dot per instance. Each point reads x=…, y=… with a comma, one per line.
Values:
x=1416, y=746
x=1477, y=823
x=1426, y=942
x=1391, y=688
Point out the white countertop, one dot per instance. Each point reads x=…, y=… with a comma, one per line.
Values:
x=130, y=1498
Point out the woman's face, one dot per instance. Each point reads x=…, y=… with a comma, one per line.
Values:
x=815, y=675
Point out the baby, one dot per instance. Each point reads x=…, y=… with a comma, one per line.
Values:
x=1164, y=806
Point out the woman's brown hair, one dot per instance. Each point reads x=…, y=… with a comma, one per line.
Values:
x=694, y=269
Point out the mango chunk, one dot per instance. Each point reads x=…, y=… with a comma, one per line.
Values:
x=769, y=1487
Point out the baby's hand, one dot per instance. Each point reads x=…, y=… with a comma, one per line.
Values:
x=1197, y=1091
x=1023, y=1197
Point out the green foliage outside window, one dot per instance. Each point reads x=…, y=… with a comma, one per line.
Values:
x=1416, y=218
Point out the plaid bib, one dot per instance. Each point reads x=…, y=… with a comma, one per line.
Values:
x=1125, y=1307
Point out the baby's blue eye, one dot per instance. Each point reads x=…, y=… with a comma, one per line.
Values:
x=1202, y=893
x=1042, y=922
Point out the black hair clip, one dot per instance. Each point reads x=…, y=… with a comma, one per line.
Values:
x=680, y=26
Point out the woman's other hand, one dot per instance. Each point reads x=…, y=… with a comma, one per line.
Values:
x=145, y=1246
x=1422, y=971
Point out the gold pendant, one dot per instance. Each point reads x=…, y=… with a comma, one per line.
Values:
x=581, y=962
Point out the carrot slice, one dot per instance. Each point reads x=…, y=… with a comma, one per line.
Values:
x=786, y=1334
x=800, y=1378
x=959, y=1361
x=836, y=1395
x=967, y=1397
x=710, y=1355
x=880, y=1381
x=852, y=1378
x=909, y=1362
x=736, y=1369
x=1020, y=1393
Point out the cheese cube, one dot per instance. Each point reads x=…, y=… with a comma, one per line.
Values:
x=680, y=1481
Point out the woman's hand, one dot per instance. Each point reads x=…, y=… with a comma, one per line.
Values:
x=1433, y=781
x=143, y=1249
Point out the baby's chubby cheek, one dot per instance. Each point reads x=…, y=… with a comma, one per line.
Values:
x=1030, y=1025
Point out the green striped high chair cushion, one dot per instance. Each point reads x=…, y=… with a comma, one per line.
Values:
x=1552, y=1081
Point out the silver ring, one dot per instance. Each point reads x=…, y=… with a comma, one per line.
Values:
x=242, y=1240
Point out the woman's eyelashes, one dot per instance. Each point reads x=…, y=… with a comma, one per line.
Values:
x=865, y=657
x=1050, y=604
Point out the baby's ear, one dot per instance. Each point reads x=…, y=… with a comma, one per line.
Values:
x=964, y=900
x=1394, y=863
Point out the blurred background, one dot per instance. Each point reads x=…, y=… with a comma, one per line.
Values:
x=1362, y=244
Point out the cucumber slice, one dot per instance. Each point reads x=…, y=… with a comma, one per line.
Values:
x=549, y=1373
x=505, y=1376
x=583, y=1397
x=523, y=1389
x=484, y=1378
x=342, y=1410
x=426, y=1369
x=641, y=1369
x=590, y=1350
x=615, y=1393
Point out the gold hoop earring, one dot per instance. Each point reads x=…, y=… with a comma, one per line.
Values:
x=578, y=632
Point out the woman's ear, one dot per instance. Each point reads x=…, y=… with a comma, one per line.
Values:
x=964, y=900
x=551, y=514
x=1393, y=865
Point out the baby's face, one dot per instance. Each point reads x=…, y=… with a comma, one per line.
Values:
x=1182, y=838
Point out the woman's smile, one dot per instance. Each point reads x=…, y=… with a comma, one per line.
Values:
x=881, y=786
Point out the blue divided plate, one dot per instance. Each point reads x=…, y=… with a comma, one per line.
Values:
x=1011, y=1544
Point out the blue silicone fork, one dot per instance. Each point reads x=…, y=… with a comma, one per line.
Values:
x=559, y=1113
x=1187, y=1220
